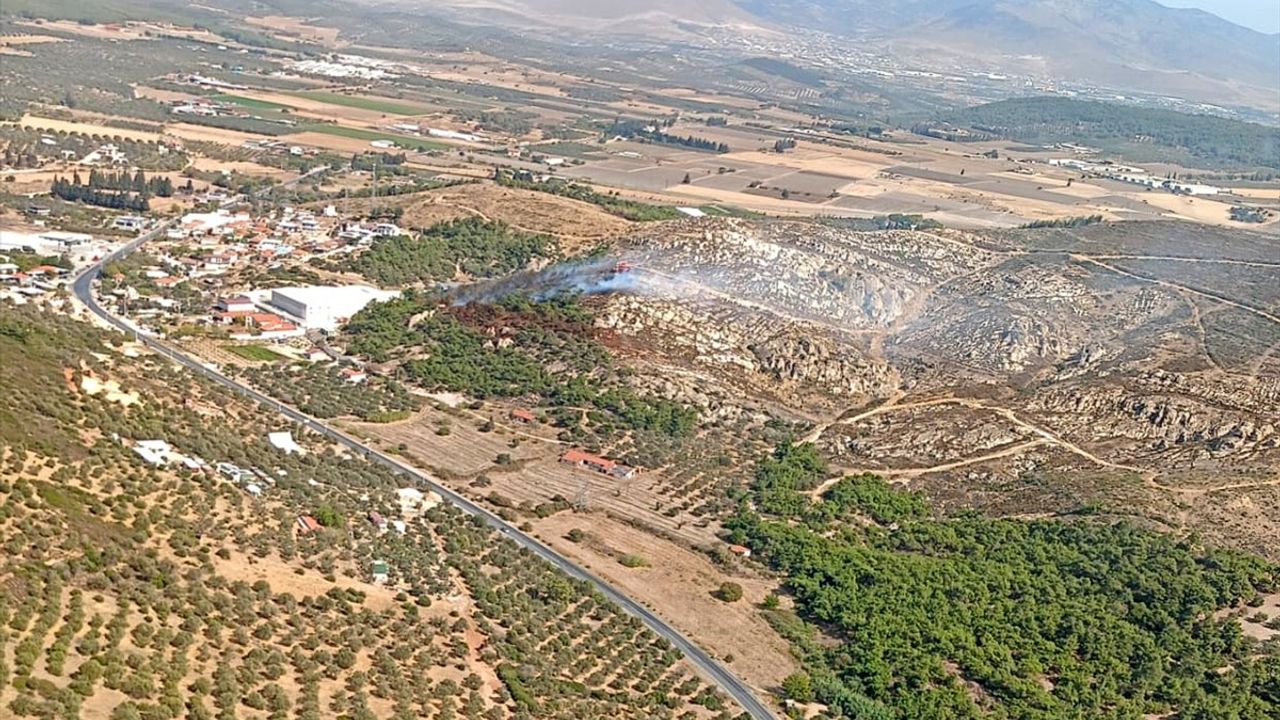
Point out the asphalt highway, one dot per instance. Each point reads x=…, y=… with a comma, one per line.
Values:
x=82, y=286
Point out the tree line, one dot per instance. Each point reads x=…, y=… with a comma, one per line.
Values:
x=646, y=131
x=120, y=191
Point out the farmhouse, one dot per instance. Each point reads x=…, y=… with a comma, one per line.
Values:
x=584, y=459
x=267, y=321
x=308, y=524
x=353, y=376
x=521, y=415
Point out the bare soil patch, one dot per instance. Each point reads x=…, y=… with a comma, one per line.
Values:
x=678, y=583
x=204, y=133
x=296, y=27
x=241, y=166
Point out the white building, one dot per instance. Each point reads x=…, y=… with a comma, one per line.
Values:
x=218, y=222
x=156, y=452
x=325, y=307
x=284, y=442
x=66, y=240
x=129, y=222
x=1192, y=188
x=453, y=135
x=50, y=242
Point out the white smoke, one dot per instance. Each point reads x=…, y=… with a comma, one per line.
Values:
x=598, y=276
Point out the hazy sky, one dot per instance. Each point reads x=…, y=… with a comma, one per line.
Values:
x=1261, y=15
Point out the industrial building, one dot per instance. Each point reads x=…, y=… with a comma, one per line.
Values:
x=325, y=307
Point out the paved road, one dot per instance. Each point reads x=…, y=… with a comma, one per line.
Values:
x=738, y=690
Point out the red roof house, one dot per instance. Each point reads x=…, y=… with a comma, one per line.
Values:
x=308, y=524
x=587, y=460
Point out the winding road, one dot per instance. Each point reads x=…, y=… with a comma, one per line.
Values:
x=743, y=695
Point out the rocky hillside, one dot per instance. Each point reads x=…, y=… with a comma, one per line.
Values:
x=1139, y=351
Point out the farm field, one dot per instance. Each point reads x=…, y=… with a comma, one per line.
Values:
x=254, y=352
x=85, y=128
x=248, y=102
x=361, y=102
x=353, y=133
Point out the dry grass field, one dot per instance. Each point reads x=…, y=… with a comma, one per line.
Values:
x=572, y=221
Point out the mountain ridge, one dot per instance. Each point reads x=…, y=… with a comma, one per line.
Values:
x=1121, y=44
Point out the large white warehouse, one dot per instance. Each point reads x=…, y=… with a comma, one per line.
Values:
x=326, y=306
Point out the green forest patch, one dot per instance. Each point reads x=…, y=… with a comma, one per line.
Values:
x=972, y=617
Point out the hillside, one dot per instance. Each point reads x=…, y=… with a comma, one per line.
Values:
x=1137, y=44
x=664, y=18
x=231, y=579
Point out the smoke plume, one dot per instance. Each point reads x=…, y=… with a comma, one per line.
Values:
x=597, y=276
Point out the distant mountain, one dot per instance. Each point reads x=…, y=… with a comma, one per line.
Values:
x=1122, y=44
x=632, y=17
x=1138, y=44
